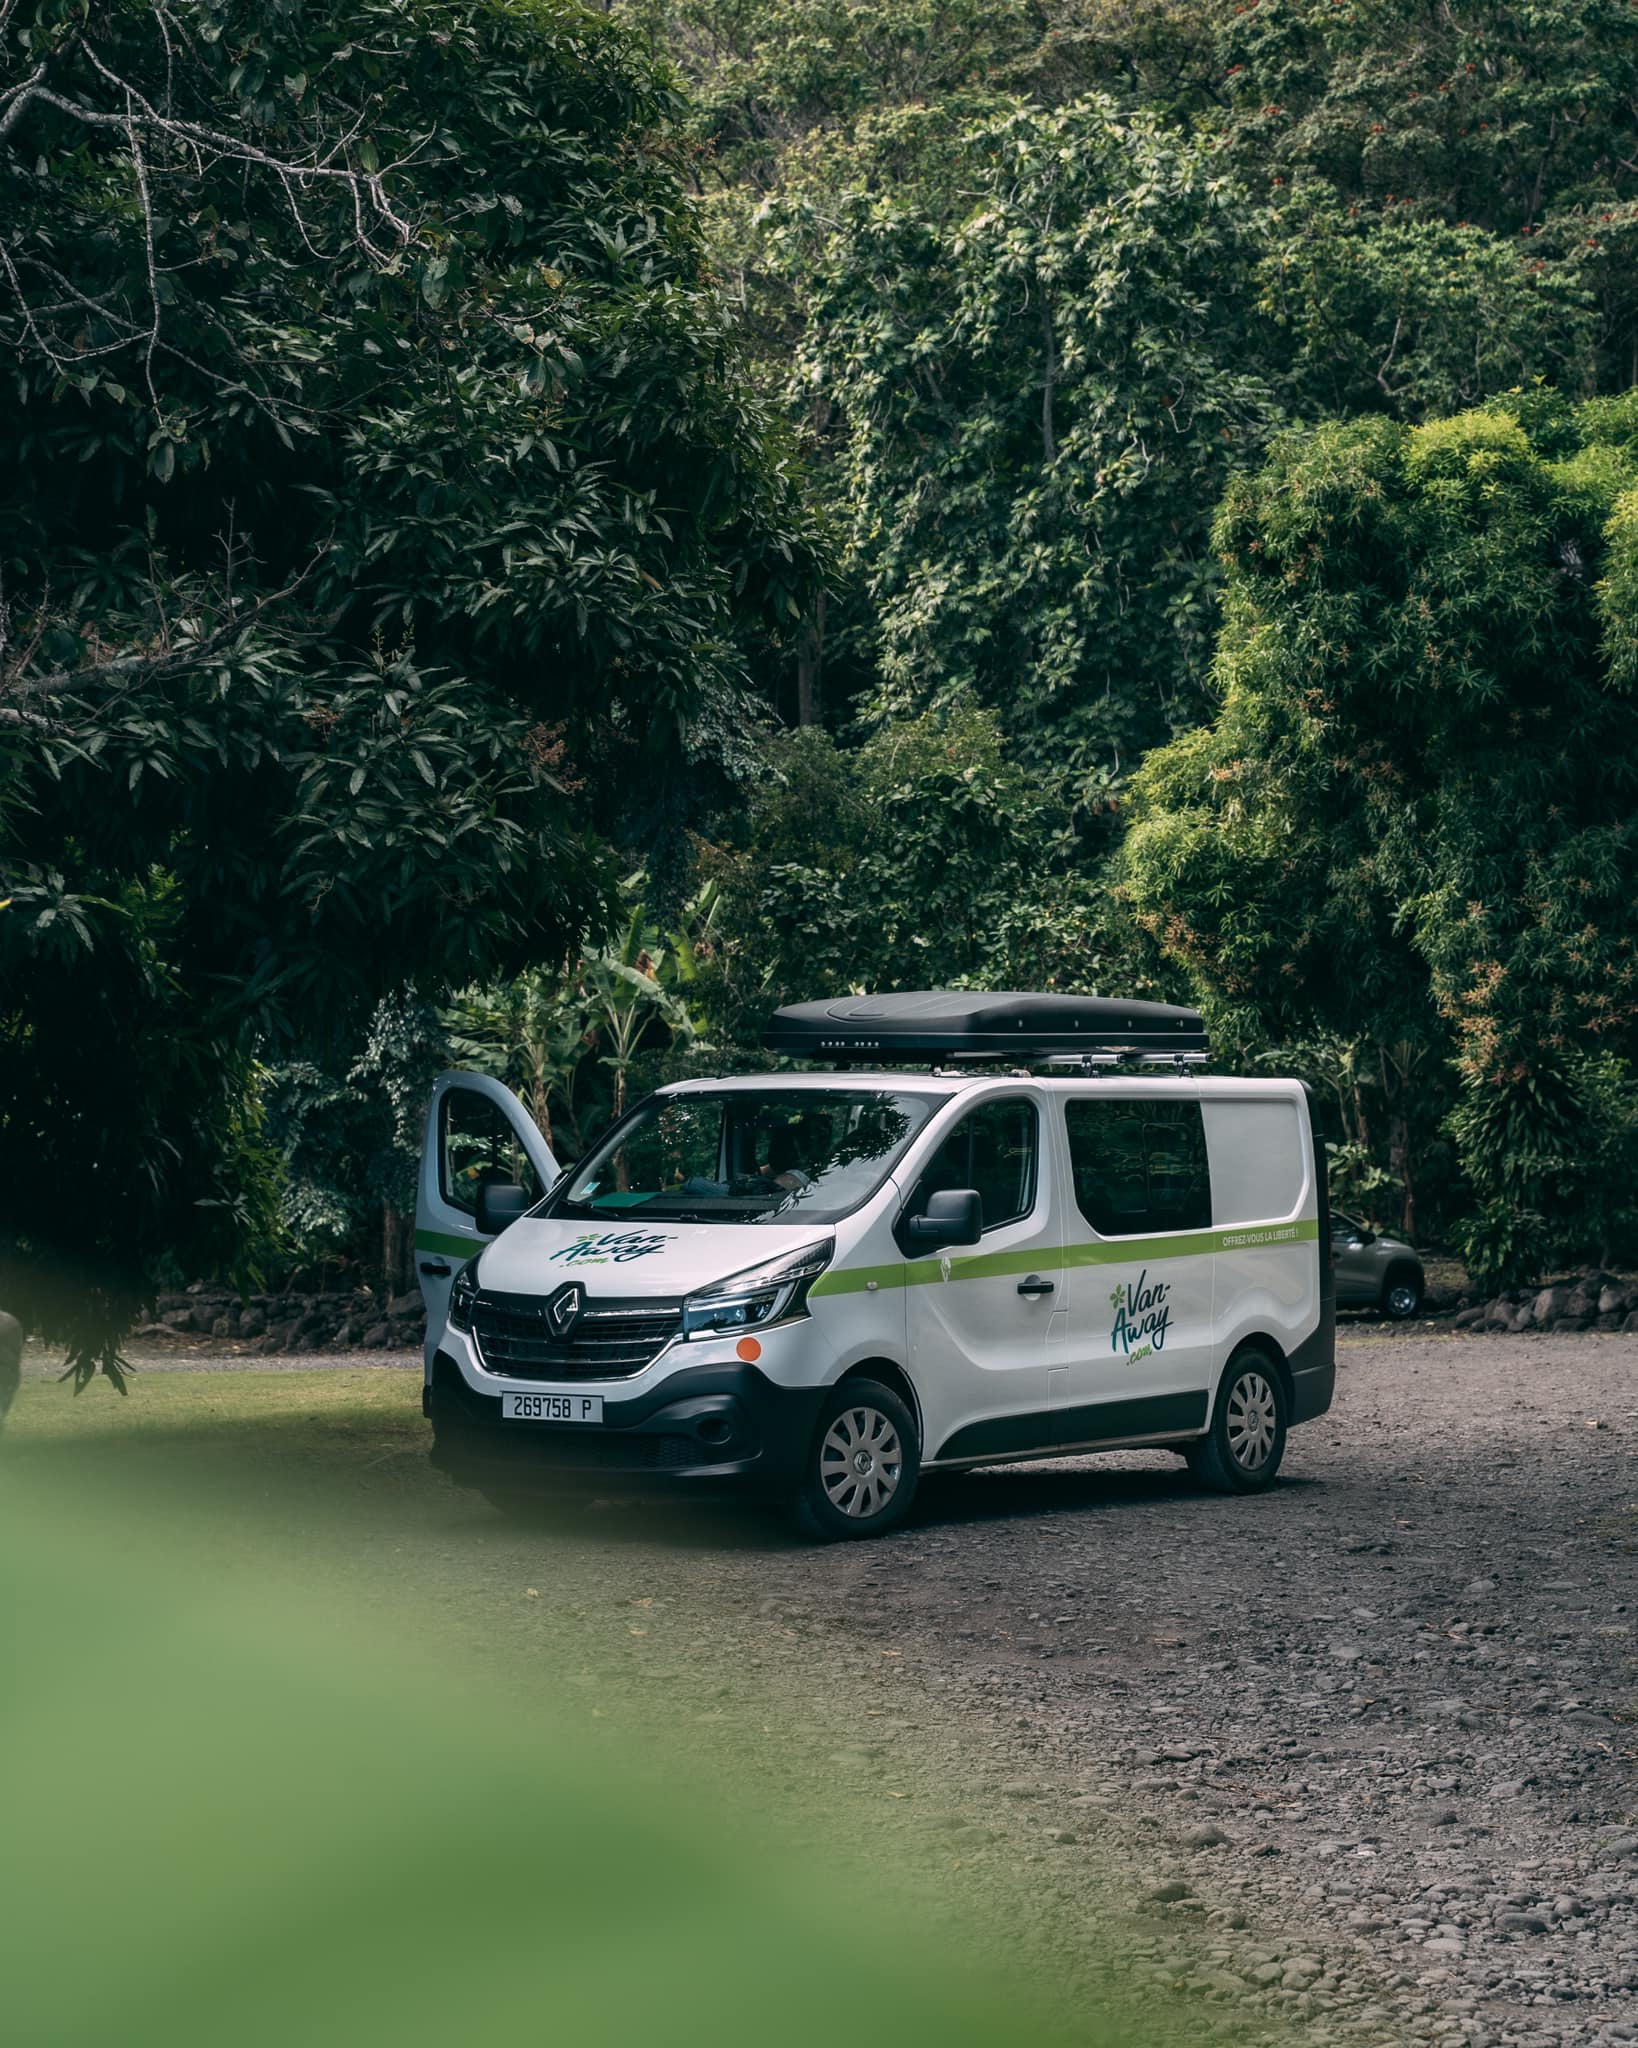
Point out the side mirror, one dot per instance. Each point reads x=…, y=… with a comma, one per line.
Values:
x=1366, y=1237
x=500, y=1203
x=954, y=1216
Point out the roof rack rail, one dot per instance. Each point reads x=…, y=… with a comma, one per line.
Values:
x=910, y=1028
x=1126, y=1056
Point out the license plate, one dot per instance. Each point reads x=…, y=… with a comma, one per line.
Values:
x=551, y=1407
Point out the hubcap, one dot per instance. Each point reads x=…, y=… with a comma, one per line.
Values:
x=1251, y=1421
x=860, y=1462
x=1402, y=1301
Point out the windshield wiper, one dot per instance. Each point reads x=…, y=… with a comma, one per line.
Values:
x=660, y=1211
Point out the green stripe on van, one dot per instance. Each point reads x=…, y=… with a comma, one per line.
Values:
x=453, y=1247
x=1122, y=1251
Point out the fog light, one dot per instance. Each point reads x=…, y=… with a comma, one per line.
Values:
x=715, y=1429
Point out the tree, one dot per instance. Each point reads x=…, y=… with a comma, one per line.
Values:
x=569, y=1039
x=1453, y=198
x=1024, y=347
x=1415, y=207
x=1397, y=312
x=382, y=507
x=1412, y=820
x=764, y=73
x=348, y=1138
x=927, y=860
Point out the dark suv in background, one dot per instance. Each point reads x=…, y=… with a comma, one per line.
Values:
x=1373, y=1271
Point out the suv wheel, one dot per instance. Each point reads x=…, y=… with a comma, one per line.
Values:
x=862, y=1464
x=1401, y=1294
x=1241, y=1453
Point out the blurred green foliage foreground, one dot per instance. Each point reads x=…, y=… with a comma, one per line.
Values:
x=241, y=1801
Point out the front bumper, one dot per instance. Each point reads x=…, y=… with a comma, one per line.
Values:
x=706, y=1423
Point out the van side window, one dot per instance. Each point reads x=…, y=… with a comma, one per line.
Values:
x=476, y=1146
x=994, y=1150
x=1139, y=1167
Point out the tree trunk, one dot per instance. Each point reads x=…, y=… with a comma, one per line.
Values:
x=1399, y=1165
x=397, y=1250
x=810, y=654
x=540, y=1104
x=1049, y=384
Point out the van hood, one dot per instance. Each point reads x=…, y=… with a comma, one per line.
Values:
x=538, y=1253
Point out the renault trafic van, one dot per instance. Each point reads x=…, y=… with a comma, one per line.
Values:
x=989, y=1228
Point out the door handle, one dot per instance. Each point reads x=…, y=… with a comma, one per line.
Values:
x=1034, y=1284
x=435, y=1269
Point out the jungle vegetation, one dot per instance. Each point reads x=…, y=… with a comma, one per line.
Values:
x=530, y=535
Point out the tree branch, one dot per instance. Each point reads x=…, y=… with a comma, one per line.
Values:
x=132, y=671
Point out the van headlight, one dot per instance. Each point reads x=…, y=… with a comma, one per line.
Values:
x=761, y=1294
x=462, y=1295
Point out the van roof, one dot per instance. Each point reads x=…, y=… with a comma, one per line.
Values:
x=944, y=1085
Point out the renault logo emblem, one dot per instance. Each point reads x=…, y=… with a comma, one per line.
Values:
x=563, y=1308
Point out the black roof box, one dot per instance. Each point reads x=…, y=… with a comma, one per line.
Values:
x=962, y=1025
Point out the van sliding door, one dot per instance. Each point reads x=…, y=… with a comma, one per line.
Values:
x=1136, y=1356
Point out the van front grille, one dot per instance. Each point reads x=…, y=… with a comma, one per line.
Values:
x=612, y=1340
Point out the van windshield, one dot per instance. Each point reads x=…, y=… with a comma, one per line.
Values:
x=775, y=1155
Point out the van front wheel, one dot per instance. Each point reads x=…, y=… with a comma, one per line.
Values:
x=862, y=1465
x=1242, y=1451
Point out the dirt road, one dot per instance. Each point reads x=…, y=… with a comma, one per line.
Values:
x=1367, y=1745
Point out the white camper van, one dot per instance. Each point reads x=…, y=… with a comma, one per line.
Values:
x=986, y=1228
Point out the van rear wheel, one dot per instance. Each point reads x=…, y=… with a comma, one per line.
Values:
x=1242, y=1451
x=862, y=1465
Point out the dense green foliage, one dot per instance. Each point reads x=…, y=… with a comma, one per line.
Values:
x=1030, y=330
x=442, y=443
x=381, y=512
x=926, y=860
x=1413, y=822
x=1036, y=277
x=1039, y=280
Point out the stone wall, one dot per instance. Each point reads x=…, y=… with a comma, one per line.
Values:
x=1591, y=1301
x=337, y=1319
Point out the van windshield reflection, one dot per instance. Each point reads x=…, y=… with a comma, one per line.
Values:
x=779, y=1155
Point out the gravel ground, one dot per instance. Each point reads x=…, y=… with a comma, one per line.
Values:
x=1364, y=1747
x=1357, y=1755
x=1388, y=1713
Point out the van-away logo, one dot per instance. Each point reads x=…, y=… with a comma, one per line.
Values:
x=598, y=1247
x=1141, y=1318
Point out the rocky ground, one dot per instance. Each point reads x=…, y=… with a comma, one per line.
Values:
x=324, y=1312
x=1358, y=1756
x=1381, y=1725
x=1364, y=1748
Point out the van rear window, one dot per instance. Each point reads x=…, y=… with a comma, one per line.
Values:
x=1258, y=1167
x=1139, y=1167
